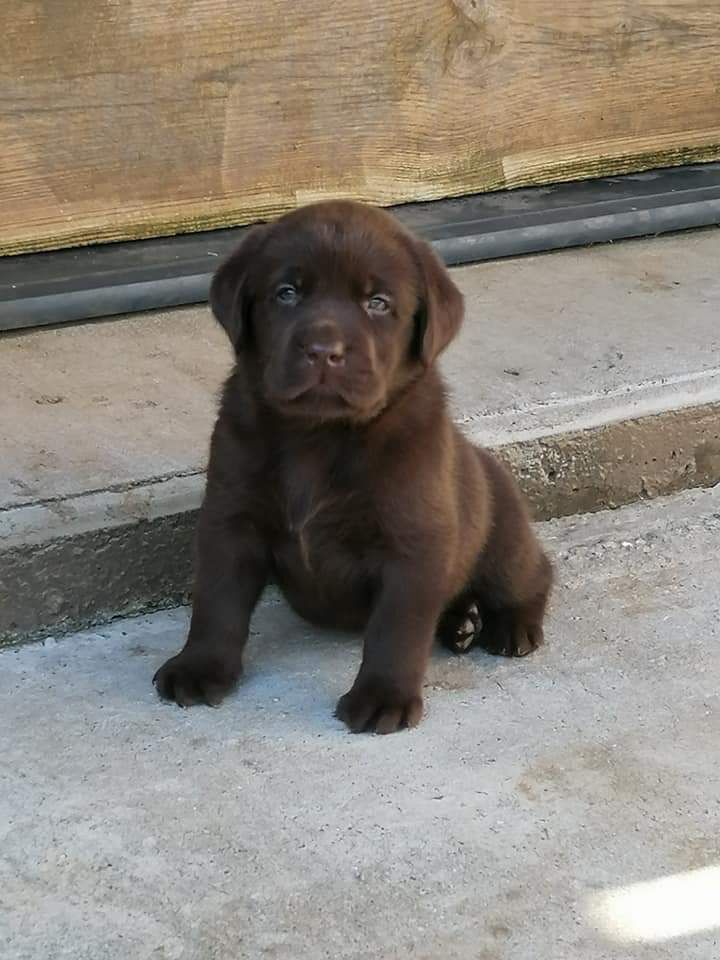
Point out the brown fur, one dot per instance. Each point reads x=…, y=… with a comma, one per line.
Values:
x=336, y=471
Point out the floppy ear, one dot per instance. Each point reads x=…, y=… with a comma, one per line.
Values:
x=230, y=293
x=440, y=313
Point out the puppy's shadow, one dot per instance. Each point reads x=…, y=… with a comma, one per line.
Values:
x=282, y=641
x=296, y=668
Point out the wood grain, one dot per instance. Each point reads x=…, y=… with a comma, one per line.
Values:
x=122, y=119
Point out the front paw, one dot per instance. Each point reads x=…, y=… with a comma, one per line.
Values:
x=197, y=676
x=375, y=704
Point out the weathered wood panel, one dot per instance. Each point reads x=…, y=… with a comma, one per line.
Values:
x=123, y=118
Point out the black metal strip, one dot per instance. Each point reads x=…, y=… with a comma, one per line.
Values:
x=108, y=279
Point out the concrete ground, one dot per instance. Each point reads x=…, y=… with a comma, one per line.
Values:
x=561, y=807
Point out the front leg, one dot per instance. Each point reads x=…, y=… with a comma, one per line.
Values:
x=387, y=693
x=232, y=570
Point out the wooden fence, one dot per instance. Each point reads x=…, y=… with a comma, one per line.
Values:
x=126, y=118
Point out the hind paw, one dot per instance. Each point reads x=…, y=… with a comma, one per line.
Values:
x=459, y=628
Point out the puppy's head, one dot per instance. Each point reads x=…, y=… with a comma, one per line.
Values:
x=335, y=308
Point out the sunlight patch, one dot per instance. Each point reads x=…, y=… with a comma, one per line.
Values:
x=673, y=906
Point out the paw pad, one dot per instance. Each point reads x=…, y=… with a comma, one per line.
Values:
x=460, y=628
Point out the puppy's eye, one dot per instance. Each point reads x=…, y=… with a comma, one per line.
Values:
x=378, y=304
x=287, y=294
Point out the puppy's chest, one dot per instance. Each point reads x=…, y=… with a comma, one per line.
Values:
x=323, y=506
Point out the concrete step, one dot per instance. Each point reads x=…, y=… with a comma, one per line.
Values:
x=595, y=373
x=560, y=807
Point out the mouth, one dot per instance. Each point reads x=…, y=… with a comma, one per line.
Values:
x=323, y=397
x=320, y=400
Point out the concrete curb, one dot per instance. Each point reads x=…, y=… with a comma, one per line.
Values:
x=74, y=562
x=618, y=463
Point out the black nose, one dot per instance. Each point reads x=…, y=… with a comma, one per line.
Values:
x=333, y=354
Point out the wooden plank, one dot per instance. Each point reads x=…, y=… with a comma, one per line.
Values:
x=131, y=119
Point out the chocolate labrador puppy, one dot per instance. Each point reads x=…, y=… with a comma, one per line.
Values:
x=336, y=471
